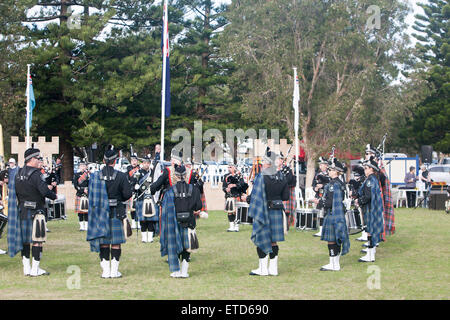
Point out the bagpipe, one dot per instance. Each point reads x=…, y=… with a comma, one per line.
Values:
x=238, y=180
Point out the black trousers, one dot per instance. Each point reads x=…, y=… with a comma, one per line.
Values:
x=411, y=198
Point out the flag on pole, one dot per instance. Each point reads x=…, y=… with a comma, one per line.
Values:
x=296, y=99
x=31, y=102
x=166, y=64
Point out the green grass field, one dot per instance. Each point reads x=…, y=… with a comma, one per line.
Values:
x=412, y=264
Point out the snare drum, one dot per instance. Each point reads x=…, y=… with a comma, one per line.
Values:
x=242, y=213
x=354, y=221
x=3, y=222
x=56, y=209
x=306, y=219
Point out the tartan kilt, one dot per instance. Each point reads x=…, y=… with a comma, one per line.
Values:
x=289, y=205
x=276, y=225
x=139, y=209
x=203, y=198
x=236, y=199
x=78, y=204
x=26, y=228
x=329, y=228
x=184, y=236
x=117, y=235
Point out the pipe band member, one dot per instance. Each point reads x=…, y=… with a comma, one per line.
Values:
x=109, y=189
x=27, y=228
x=335, y=230
x=269, y=191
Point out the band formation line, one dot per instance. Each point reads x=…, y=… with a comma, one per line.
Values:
x=166, y=201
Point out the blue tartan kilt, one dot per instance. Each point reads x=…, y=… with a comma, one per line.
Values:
x=139, y=209
x=276, y=225
x=184, y=236
x=26, y=228
x=328, y=228
x=117, y=235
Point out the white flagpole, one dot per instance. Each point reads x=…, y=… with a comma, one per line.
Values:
x=27, y=124
x=163, y=91
x=295, y=102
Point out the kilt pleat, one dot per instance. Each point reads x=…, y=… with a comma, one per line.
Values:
x=26, y=228
x=116, y=235
x=276, y=225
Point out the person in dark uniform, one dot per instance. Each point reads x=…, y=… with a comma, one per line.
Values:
x=335, y=230
x=81, y=184
x=290, y=205
x=233, y=186
x=133, y=177
x=148, y=224
x=168, y=177
x=269, y=191
x=178, y=238
x=27, y=194
x=321, y=179
x=108, y=190
x=371, y=201
x=192, y=177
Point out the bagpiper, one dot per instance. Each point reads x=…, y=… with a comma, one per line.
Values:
x=289, y=205
x=194, y=178
x=233, y=186
x=270, y=189
x=109, y=189
x=147, y=210
x=371, y=202
x=26, y=203
x=178, y=238
x=81, y=184
x=133, y=177
x=321, y=179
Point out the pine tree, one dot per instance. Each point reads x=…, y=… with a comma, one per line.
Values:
x=431, y=118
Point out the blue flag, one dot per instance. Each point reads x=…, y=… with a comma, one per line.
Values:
x=32, y=102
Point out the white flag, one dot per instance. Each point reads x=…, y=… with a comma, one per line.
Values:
x=296, y=99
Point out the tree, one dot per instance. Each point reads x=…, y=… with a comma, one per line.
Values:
x=13, y=69
x=346, y=67
x=431, y=117
x=206, y=73
x=95, y=85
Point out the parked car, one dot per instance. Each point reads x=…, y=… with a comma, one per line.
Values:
x=395, y=155
x=446, y=160
x=440, y=173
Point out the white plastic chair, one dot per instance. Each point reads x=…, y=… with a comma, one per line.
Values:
x=400, y=198
x=309, y=195
x=419, y=196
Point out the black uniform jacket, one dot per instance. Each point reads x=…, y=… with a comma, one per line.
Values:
x=32, y=187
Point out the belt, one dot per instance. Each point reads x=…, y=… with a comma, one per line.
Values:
x=275, y=204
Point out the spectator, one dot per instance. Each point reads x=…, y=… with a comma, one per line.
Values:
x=410, y=180
x=425, y=179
